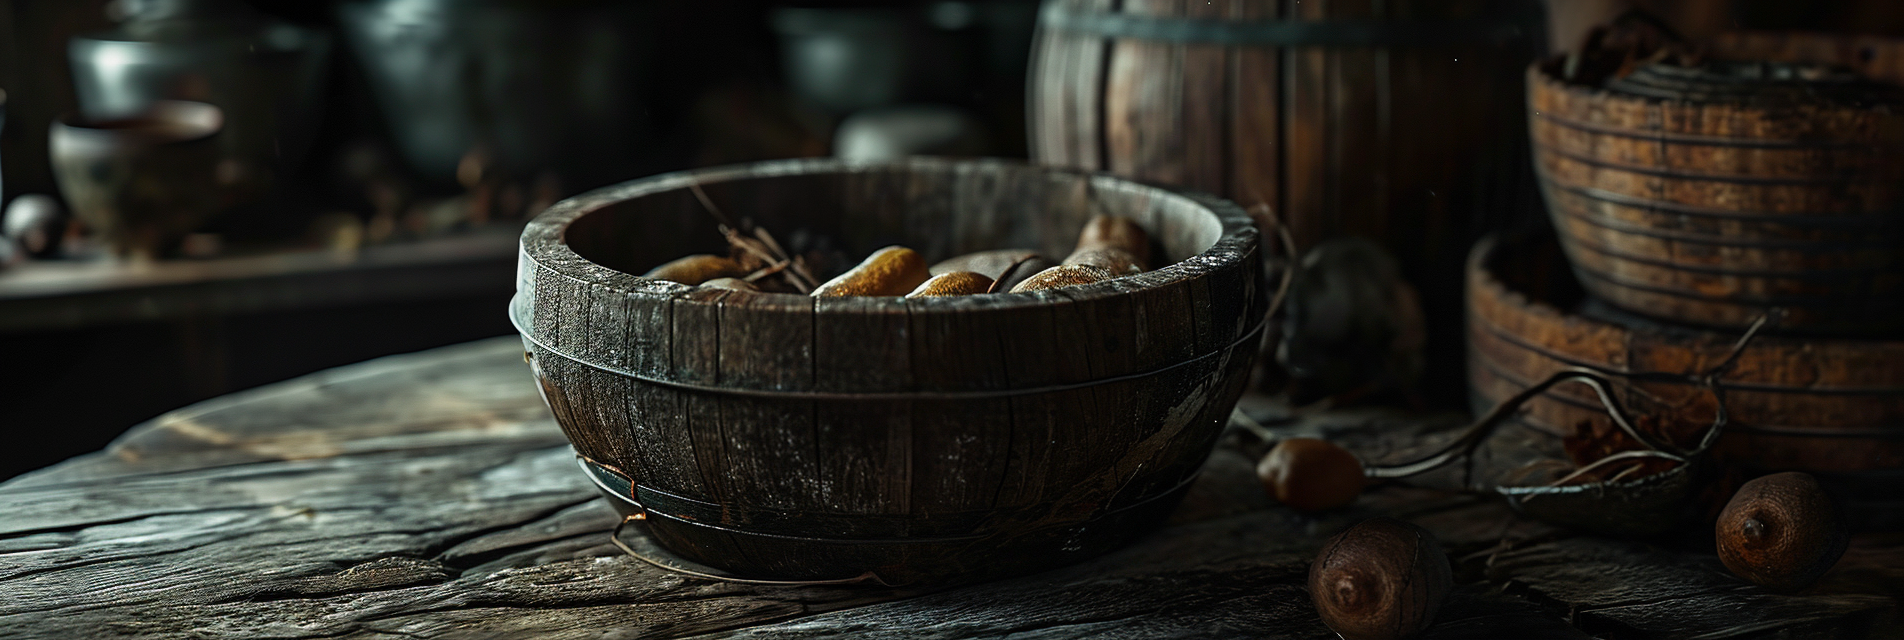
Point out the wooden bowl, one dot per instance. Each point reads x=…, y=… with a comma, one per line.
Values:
x=783, y=436
x=1830, y=406
x=1711, y=208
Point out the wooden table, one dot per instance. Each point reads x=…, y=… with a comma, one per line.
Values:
x=172, y=332
x=430, y=495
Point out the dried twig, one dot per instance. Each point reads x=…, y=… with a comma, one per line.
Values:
x=1599, y=380
x=766, y=271
x=1610, y=459
x=1294, y=262
x=760, y=246
x=797, y=268
x=708, y=203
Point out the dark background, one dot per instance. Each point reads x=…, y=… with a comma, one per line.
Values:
x=711, y=90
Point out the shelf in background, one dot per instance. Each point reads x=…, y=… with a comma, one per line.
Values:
x=53, y=295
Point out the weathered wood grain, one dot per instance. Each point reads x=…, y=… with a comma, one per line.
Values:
x=992, y=415
x=430, y=496
x=1401, y=141
x=1708, y=208
x=1830, y=406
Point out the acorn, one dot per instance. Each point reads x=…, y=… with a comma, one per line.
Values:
x=986, y=263
x=892, y=271
x=697, y=269
x=1063, y=275
x=735, y=284
x=1781, y=531
x=1383, y=579
x=955, y=283
x=1311, y=475
x=1117, y=261
x=1112, y=232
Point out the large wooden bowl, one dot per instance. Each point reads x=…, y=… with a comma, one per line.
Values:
x=1712, y=211
x=783, y=436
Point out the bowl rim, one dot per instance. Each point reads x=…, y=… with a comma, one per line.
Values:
x=544, y=243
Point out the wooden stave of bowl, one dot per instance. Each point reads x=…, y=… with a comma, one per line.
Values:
x=1711, y=213
x=927, y=404
x=1832, y=407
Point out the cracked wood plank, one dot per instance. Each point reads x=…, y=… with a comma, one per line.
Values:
x=431, y=496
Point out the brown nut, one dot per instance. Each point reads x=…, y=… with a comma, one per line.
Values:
x=1383, y=579
x=696, y=269
x=956, y=283
x=986, y=263
x=1021, y=271
x=1311, y=475
x=1117, y=261
x=1781, y=531
x=1112, y=232
x=736, y=284
x=1063, y=275
x=892, y=271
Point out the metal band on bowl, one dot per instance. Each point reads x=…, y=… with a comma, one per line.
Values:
x=1279, y=33
x=517, y=308
x=625, y=490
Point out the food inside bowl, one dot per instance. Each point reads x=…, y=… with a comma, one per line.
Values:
x=1108, y=247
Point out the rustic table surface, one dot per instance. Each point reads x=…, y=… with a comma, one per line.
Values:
x=431, y=495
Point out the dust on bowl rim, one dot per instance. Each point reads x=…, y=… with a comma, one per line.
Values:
x=544, y=241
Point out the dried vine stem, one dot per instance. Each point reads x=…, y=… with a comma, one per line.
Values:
x=761, y=246
x=1600, y=381
x=766, y=271
x=1289, y=251
x=1616, y=457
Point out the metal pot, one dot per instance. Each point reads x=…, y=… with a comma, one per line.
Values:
x=845, y=59
x=530, y=87
x=265, y=75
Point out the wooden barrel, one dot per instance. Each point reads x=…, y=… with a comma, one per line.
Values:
x=783, y=436
x=1394, y=120
x=1830, y=406
x=1710, y=196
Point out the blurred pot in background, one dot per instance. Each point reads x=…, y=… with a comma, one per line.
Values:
x=528, y=86
x=843, y=62
x=265, y=75
x=891, y=133
x=142, y=182
x=843, y=59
